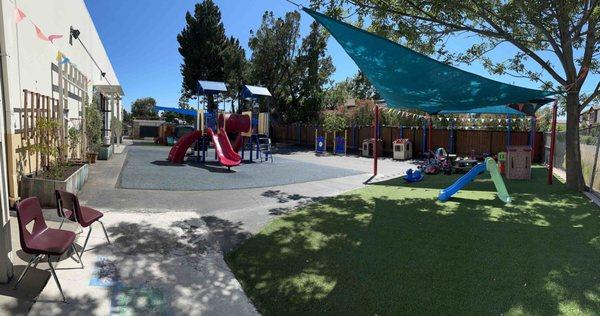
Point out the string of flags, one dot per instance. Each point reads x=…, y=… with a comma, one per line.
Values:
x=61, y=59
x=19, y=16
x=416, y=116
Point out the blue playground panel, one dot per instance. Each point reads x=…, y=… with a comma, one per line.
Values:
x=320, y=148
x=340, y=145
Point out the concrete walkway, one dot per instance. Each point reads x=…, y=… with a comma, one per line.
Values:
x=166, y=255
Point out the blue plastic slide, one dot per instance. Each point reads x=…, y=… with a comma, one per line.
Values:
x=448, y=192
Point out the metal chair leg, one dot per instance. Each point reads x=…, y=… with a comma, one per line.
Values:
x=56, y=279
x=78, y=256
x=105, y=234
x=33, y=259
x=61, y=223
x=86, y=240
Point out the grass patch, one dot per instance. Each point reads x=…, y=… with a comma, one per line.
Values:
x=393, y=248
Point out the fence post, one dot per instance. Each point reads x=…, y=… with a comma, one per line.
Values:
x=424, y=138
x=508, y=128
x=451, y=141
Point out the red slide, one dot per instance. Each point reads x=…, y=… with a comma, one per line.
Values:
x=177, y=153
x=227, y=157
x=238, y=143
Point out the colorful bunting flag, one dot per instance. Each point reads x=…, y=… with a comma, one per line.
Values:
x=41, y=34
x=19, y=15
x=53, y=37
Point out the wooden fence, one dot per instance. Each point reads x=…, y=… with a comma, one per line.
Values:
x=463, y=142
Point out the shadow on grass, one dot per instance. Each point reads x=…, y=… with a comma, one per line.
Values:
x=390, y=250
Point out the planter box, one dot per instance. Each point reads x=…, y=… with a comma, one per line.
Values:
x=44, y=188
x=105, y=152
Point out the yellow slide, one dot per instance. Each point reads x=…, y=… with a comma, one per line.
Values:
x=492, y=168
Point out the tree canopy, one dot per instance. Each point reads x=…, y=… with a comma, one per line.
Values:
x=294, y=71
x=144, y=108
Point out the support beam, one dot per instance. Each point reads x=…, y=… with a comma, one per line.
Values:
x=429, y=135
x=375, y=145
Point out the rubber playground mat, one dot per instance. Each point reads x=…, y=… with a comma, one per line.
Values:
x=147, y=168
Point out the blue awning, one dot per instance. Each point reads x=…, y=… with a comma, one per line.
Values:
x=211, y=87
x=253, y=92
x=410, y=80
x=189, y=112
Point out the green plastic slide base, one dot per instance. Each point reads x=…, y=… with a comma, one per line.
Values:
x=492, y=168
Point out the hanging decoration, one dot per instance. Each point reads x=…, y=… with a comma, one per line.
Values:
x=19, y=15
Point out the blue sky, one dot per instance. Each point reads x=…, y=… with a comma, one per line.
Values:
x=140, y=39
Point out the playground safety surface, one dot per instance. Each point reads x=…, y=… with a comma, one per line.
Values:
x=146, y=168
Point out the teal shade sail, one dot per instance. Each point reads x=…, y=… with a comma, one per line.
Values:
x=410, y=80
x=499, y=109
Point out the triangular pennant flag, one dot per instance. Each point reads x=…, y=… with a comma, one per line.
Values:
x=19, y=15
x=59, y=56
x=65, y=60
x=53, y=37
x=40, y=34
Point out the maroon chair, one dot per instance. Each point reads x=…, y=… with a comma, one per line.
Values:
x=41, y=240
x=67, y=206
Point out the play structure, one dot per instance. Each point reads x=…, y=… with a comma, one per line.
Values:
x=339, y=143
x=247, y=130
x=490, y=166
x=518, y=162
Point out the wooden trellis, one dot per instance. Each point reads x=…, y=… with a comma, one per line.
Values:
x=72, y=85
x=35, y=107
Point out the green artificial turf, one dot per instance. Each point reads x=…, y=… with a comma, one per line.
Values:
x=392, y=248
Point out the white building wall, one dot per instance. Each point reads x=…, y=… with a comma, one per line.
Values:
x=30, y=58
x=27, y=64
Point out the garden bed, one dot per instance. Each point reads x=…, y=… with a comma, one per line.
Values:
x=44, y=184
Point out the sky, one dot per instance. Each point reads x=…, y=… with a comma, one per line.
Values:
x=140, y=38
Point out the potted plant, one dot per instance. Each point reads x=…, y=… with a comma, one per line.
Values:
x=93, y=130
x=55, y=171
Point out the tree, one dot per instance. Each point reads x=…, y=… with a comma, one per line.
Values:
x=235, y=68
x=555, y=39
x=313, y=67
x=362, y=88
x=273, y=47
x=337, y=94
x=127, y=117
x=201, y=43
x=144, y=108
x=294, y=72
